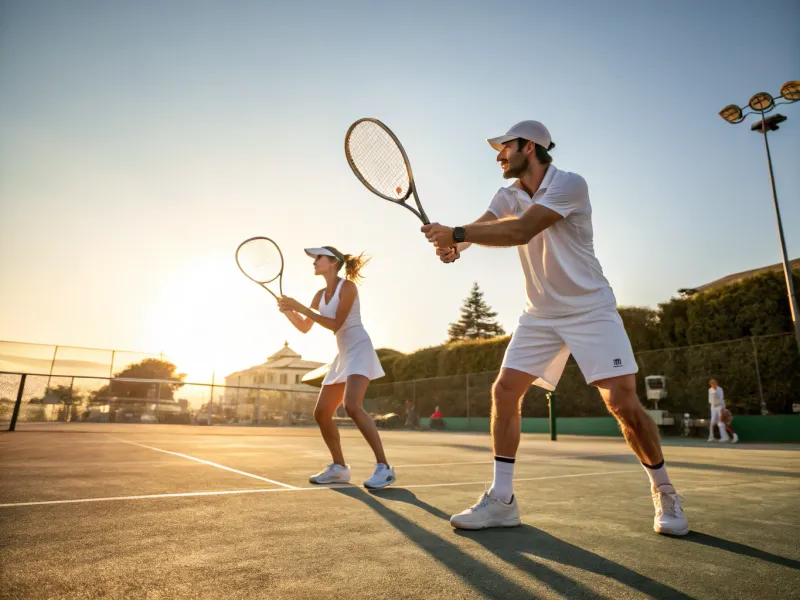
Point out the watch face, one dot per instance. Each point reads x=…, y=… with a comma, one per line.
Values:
x=458, y=234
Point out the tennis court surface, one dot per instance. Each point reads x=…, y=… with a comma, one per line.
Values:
x=174, y=512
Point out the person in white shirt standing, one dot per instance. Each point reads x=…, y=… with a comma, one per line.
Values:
x=716, y=401
x=571, y=308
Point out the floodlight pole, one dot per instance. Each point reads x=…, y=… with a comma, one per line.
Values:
x=763, y=103
x=787, y=270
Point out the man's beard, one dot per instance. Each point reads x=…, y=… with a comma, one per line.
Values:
x=515, y=172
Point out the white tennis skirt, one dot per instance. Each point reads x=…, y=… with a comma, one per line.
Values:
x=356, y=357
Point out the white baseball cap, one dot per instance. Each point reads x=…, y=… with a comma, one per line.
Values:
x=527, y=130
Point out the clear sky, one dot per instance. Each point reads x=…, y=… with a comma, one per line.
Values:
x=140, y=142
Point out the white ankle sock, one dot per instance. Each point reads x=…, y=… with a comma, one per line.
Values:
x=657, y=474
x=502, y=486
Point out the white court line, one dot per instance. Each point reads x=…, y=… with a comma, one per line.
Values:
x=290, y=489
x=151, y=496
x=450, y=464
x=205, y=462
x=429, y=485
x=536, y=460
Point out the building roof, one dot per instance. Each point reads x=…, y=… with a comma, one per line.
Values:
x=285, y=358
x=284, y=352
x=730, y=279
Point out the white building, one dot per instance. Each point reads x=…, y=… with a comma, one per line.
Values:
x=280, y=378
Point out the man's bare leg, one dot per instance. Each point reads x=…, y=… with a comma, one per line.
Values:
x=641, y=433
x=639, y=430
x=498, y=508
x=507, y=393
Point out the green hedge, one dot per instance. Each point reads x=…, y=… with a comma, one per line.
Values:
x=687, y=370
x=388, y=358
x=753, y=307
x=456, y=358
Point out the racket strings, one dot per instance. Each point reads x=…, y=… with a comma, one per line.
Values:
x=378, y=160
x=260, y=260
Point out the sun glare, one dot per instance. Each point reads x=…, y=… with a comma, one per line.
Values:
x=211, y=321
x=200, y=320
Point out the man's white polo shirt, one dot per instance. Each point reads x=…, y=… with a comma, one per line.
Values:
x=563, y=276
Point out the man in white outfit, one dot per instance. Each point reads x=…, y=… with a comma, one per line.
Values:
x=571, y=309
x=716, y=400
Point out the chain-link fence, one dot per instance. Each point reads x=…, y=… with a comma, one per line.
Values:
x=47, y=359
x=759, y=375
x=70, y=399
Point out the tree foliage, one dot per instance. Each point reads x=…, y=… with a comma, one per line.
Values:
x=731, y=334
x=149, y=368
x=477, y=321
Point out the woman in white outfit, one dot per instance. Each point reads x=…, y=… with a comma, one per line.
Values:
x=336, y=307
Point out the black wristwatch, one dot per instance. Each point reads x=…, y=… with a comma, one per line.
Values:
x=459, y=234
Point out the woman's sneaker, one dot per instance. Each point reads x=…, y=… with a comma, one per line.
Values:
x=333, y=473
x=382, y=476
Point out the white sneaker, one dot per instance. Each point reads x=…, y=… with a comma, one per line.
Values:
x=333, y=473
x=711, y=439
x=669, y=517
x=735, y=438
x=488, y=512
x=382, y=476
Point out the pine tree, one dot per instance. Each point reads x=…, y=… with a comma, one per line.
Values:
x=477, y=319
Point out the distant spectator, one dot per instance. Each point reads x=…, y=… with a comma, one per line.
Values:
x=437, y=422
x=412, y=418
x=716, y=401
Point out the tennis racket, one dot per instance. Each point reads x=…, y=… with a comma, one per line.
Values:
x=261, y=260
x=379, y=161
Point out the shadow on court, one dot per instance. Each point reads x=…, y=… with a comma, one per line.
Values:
x=509, y=545
x=407, y=496
x=472, y=571
x=697, y=466
x=742, y=549
x=474, y=447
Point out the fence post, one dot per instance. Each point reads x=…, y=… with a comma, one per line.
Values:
x=758, y=377
x=71, y=405
x=158, y=401
x=211, y=397
x=50, y=375
x=257, y=411
x=291, y=409
x=551, y=406
x=15, y=414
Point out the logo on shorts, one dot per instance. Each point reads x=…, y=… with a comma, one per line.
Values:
x=617, y=362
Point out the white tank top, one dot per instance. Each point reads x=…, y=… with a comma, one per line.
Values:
x=353, y=320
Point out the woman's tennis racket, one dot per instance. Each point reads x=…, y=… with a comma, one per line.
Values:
x=380, y=163
x=261, y=260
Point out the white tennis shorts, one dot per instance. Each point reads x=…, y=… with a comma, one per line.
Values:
x=598, y=340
